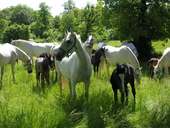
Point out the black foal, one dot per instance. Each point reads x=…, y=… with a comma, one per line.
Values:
x=121, y=76
x=96, y=59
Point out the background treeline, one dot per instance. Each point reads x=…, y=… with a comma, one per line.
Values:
x=138, y=20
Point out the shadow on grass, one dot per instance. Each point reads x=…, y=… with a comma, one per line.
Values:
x=160, y=117
x=96, y=112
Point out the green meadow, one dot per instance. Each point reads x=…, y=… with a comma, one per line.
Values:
x=24, y=105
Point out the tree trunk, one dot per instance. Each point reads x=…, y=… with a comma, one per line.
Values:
x=143, y=45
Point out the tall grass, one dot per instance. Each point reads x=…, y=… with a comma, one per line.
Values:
x=23, y=105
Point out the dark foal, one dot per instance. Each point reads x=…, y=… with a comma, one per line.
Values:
x=96, y=59
x=151, y=63
x=120, y=83
x=43, y=64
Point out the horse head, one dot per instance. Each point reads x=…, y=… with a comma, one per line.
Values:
x=28, y=65
x=89, y=41
x=67, y=47
x=157, y=71
x=49, y=58
x=13, y=42
x=121, y=68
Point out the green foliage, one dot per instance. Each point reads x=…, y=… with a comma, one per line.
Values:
x=44, y=15
x=6, y=13
x=21, y=14
x=67, y=22
x=3, y=24
x=52, y=35
x=56, y=22
x=37, y=29
x=15, y=31
x=160, y=46
x=42, y=22
x=69, y=5
x=89, y=19
x=141, y=21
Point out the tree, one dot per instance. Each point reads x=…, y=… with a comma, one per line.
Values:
x=15, y=31
x=69, y=6
x=42, y=23
x=141, y=21
x=21, y=14
x=89, y=19
x=3, y=24
x=56, y=22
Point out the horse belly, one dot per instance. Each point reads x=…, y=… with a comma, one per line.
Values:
x=113, y=58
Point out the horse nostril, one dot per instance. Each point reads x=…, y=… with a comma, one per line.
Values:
x=30, y=71
x=59, y=56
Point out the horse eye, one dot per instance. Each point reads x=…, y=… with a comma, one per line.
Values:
x=68, y=41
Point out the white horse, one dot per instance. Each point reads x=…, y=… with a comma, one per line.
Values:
x=9, y=54
x=88, y=44
x=121, y=55
x=163, y=62
x=76, y=67
x=34, y=49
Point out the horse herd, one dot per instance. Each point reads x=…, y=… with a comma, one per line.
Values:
x=73, y=61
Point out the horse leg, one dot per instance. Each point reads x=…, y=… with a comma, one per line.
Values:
x=115, y=95
x=122, y=95
x=13, y=72
x=56, y=76
x=2, y=73
x=42, y=80
x=38, y=78
x=59, y=82
x=126, y=92
x=0, y=78
x=133, y=90
x=73, y=89
x=97, y=66
x=94, y=69
x=47, y=77
x=87, y=83
x=57, y=72
x=107, y=69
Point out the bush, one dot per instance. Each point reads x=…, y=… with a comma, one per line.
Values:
x=3, y=24
x=51, y=35
x=14, y=32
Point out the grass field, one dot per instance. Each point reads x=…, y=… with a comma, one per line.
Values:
x=23, y=105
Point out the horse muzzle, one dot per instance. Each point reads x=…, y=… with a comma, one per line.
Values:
x=30, y=71
x=59, y=55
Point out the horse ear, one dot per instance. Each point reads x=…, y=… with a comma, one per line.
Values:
x=154, y=66
x=105, y=49
x=66, y=33
x=140, y=68
x=72, y=32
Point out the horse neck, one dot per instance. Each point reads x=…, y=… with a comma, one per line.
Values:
x=136, y=63
x=81, y=53
x=22, y=55
x=160, y=63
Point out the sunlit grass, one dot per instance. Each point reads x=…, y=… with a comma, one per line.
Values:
x=24, y=105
